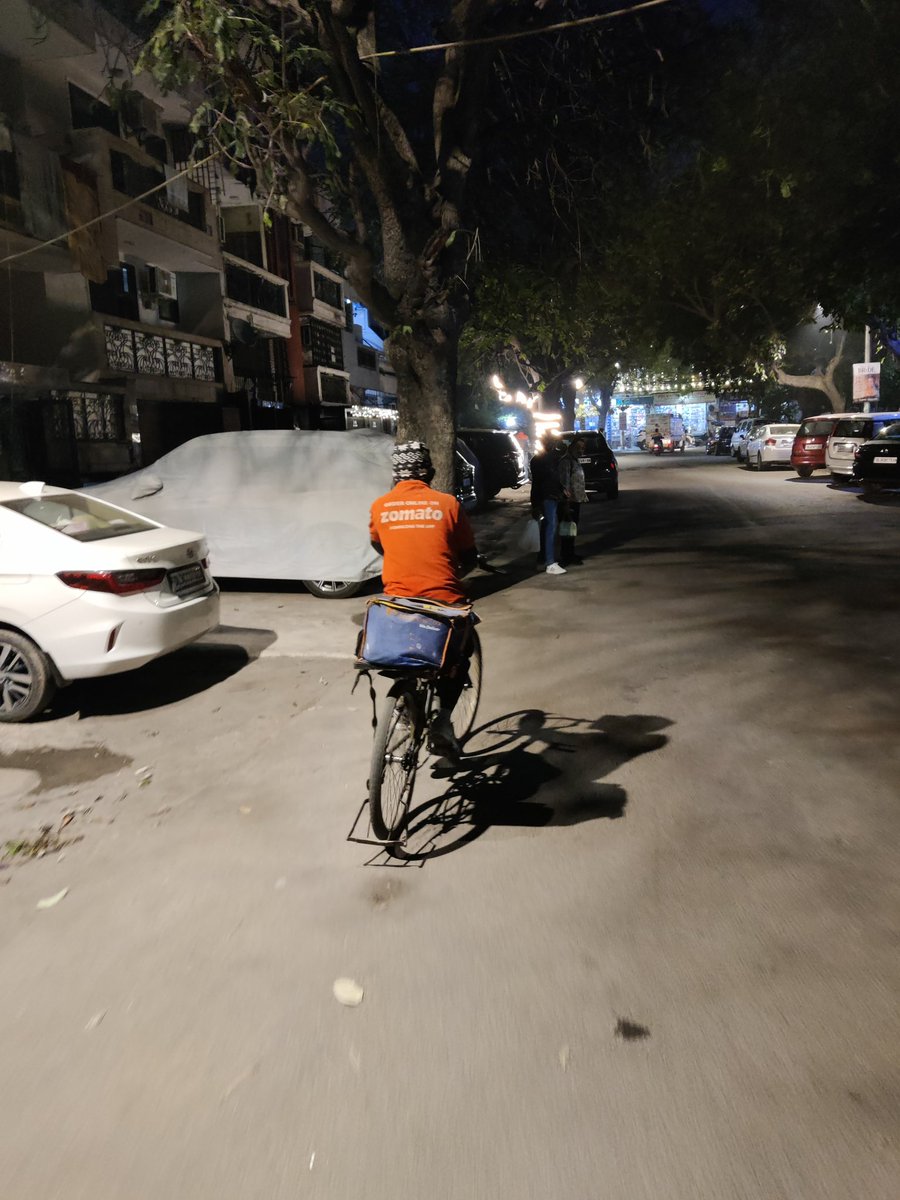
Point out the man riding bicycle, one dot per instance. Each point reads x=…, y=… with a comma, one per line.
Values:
x=428, y=546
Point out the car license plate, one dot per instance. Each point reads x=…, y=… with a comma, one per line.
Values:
x=584, y=460
x=886, y=458
x=187, y=579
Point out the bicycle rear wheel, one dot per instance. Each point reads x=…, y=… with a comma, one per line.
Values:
x=464, y=713
x=395, y=758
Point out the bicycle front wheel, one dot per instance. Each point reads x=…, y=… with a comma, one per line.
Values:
x=395, y=757
x=466, y=709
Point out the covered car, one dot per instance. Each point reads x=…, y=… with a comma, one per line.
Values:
x=272, y=504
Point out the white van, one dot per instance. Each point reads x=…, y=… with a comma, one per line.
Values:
x=850, y=432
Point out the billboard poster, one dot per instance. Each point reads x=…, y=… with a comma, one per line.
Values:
x=866, y=382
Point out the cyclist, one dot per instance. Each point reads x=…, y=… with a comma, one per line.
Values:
x=428, y=546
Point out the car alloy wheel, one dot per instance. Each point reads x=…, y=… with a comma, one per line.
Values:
x=332, y=589
x=26, y=682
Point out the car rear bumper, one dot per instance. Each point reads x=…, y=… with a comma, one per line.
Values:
x=105, y=635
x=602, y=483
x=807, y=459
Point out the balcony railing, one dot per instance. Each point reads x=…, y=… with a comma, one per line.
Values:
x=143, y=353
x=244, y=286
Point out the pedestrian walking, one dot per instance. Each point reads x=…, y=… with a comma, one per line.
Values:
x=571, y=475
x=546, y=494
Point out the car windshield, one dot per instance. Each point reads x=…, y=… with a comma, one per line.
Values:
x=782, y=429
x=889, y=431
x=592, y=442
x=816, y=428
x=853, y=427
x=80, y=517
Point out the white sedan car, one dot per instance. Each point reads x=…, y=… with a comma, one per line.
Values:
x=90, y=589
x=770, y=445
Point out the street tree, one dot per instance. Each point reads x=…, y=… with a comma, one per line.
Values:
x=368, y=145
x=567, y=122
x=775, y=202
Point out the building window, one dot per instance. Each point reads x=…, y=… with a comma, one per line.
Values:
x=97, y=418
x=323, y=344
x=348, y=315
x=333, y=389
x=366, y=358
x=327, y=290
x=132, y=178
x=9, y=176
x=246, y=287
x=118, y=297
x=90, y=113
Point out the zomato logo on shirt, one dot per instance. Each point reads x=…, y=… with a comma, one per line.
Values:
x=390, y=515
x=423, y=534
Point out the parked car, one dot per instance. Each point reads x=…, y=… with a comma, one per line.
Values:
x=770, y=445
x=90, y=589
x=502, y=459
x=877, y=463
x=720, y=442
x=287, y=504
x=601, y=470
x=467, y=477
x=808, y=452
x=850, y=432
x=742, y=431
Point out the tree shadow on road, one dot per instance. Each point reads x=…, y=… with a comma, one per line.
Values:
x=527, y=771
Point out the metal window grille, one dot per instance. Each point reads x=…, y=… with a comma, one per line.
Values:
x=97, y=417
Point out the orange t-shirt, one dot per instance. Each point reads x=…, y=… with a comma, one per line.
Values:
x=424, y=534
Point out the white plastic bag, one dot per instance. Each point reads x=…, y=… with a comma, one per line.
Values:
x=528, y=537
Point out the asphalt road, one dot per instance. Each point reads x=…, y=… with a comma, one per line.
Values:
x=654, y=958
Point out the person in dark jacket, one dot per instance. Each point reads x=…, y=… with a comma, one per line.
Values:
x=546, y=493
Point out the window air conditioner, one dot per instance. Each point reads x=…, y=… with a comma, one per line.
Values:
x=162, y=283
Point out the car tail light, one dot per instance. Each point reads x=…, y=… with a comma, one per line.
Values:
x=771, y=442
x=115, y=583
x=856, y=452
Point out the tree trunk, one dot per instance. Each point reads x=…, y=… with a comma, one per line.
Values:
x=820, y=382
x=426, y=379
x=606, y=391
x=568, y=394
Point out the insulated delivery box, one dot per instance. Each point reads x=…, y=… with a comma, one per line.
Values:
x=406, y=633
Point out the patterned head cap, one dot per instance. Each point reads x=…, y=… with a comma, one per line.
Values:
x=411, y=460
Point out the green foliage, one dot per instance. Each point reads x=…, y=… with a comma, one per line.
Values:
x=265, y=95
x=777, y=196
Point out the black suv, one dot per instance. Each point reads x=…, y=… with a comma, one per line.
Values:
x=502, y=459
x=601, y=471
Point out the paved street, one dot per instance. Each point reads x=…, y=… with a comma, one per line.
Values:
x=656, y=957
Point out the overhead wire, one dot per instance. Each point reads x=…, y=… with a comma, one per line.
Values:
x=521, y=33
x=489, y=40
x=110, y=213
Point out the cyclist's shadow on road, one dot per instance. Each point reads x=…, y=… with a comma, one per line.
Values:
x=528, y=770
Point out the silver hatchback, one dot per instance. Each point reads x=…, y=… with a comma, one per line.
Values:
x=850, y=432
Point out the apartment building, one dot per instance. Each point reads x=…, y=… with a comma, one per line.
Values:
x=167, y=318
x=323, y=390
x=373, y=382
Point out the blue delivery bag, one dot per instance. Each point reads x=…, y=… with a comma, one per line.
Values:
x=410, y=634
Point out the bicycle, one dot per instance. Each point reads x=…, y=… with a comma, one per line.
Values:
x=400, y=731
